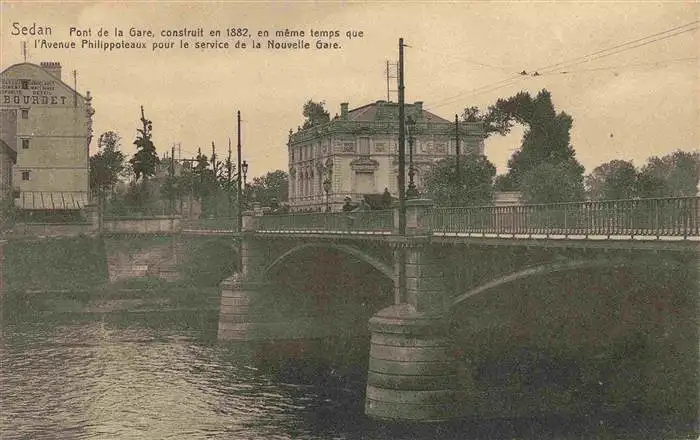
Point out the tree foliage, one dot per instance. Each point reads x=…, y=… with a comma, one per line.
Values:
x=546, y=141
x=145, y=160
x=107, y=165
x=612, y=180
x=474, y=187
x=673, y=175
x=551, y=183
x=273, y=185
x=315, y=114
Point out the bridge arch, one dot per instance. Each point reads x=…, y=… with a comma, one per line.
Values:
x=385, y=269
x=551, y=268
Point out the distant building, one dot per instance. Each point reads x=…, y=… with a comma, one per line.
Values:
x=356, y=153
x=45, y=130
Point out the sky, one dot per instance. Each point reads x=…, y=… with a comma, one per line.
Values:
x=628, y=101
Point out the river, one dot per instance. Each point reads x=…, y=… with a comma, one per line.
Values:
x=162, y=375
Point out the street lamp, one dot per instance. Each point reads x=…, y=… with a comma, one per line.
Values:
x=244, y=170
x=327, y=189
x=411, y=191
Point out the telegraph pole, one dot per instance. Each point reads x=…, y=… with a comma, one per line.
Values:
x=228, y=177
x=240, y=182
x=401, y=295
x=75, y=88
x=213, y=158
x=172, y=179
x=402, y=146
x=459, y=177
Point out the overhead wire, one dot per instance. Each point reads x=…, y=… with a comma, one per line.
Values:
x=622, y=66
x=468, y=60
x=627, y=43
x=601, y=53
x=565, y=65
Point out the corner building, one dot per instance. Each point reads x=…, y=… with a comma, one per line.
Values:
x=45, y=131
x=356, y=153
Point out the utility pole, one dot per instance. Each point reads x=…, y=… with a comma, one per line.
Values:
x=228, y=177
x=75, y=88
x=172, y=179
x=240, y=182
x=213, y=158
x=459, y=177
x=401, y=296
x=402, y=146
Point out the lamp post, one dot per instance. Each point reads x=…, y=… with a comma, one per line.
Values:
x=411, y=191
x=244, y=170
x=327, y=189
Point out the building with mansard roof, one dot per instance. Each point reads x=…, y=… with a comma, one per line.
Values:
x=45, y=134
x=356, y=153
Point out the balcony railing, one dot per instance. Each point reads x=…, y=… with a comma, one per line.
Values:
x=381, y=222
x=640, y=217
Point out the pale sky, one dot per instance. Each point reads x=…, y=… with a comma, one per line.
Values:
x=638, y=102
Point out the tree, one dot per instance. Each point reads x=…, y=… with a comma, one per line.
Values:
x=145, y=159
x=550, y=183
x=473, y=188
x=107, y=165
x=673, y=175
x=613, y=180
x=546, y=141
x=501, y=116
x=273, y=185
x=204, y=179
x=315, y=114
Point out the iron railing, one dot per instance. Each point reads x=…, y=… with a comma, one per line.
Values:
x=380, y=221
x=639, y=217
x=668, y=217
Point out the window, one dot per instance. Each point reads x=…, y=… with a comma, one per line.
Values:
x=364, y=146
x=25, y=84
x=25, y=144
x=25, y=113
x=25, y=175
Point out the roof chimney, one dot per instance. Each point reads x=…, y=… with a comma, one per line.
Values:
x=344, y=110
x=53, y=67
x=418, y=110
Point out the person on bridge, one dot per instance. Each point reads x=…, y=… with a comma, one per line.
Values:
x=348, y=206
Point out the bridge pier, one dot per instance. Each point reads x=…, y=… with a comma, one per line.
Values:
x=255, y=311
x=412, y=370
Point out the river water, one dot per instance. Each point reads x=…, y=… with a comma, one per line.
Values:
x=163, y=375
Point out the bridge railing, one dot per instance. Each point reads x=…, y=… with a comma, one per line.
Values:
x=639, y=217
x=381, y=221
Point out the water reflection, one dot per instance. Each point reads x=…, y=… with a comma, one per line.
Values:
x=158, y=375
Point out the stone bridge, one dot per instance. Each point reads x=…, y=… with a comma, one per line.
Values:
x=460, y=284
